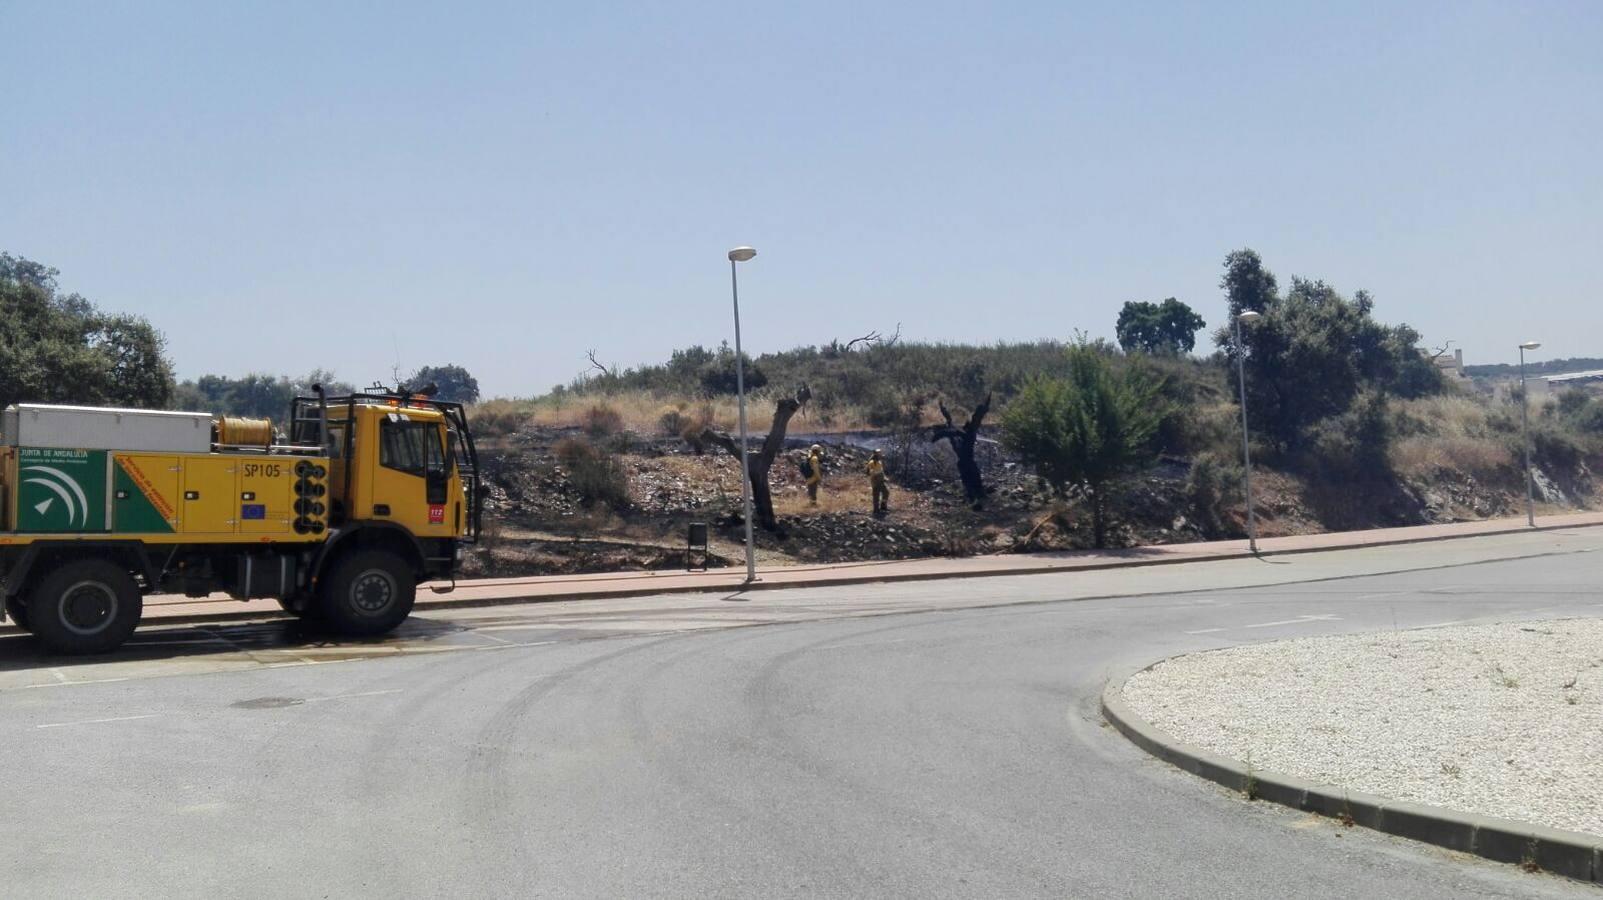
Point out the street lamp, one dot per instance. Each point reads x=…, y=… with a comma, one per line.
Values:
x=1525, y=431
x=740, y=255
x=1246, y=445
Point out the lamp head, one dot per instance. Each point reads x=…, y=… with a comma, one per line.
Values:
x=741, y=254
x=1251, y=315
x=1531, y=345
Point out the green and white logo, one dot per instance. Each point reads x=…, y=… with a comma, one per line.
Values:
x=61, y=490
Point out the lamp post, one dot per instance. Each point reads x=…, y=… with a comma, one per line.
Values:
x=1525, y=435
x=740, y=255
x=1246, y=444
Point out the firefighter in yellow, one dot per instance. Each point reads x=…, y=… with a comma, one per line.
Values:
x=876, y=483
x=815, y=473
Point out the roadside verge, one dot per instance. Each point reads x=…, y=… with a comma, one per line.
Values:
x=1568, y=853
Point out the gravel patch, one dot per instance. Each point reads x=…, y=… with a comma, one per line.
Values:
x=1503, y=720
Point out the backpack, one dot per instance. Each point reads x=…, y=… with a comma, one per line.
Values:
x=804, y=464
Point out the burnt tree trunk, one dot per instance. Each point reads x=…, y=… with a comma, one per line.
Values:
x=1099, y=516
x=962, y=441
x=759, y=463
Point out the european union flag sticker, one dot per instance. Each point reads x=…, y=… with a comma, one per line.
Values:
x=253, y=511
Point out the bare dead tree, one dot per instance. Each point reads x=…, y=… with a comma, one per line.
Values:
x=596, y=363
x=759, y=463
x=871, y=338
x=963, y=440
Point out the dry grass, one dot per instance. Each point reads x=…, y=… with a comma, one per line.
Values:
x=839, y=493
x=637, y=411
x=645, y=412
x=1451, y=431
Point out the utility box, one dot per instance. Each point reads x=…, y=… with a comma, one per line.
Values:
x=91, y=428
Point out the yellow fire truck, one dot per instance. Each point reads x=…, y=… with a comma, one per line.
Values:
x=366, y=496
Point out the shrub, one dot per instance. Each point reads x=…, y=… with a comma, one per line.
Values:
x=1581, y=412
x=601, y=420
x=1085, y=430
x=882, y=409
x=691, y=434
x=1553, y=447
x=498, y=417
x=1354, y=446
x=595, y=475
x=719, y=376
x=672, y=420
x=1210, y=486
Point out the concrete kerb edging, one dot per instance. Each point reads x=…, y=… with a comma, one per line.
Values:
x=858, y=579
x=1568, y=853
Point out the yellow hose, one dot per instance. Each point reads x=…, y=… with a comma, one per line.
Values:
x=239, y=432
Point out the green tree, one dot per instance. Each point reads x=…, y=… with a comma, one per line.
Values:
x=1169, y=327
x=1247, y=284
x=1312, y=352
x=58, y=348
x=332, y=385
x=718, y=376
x=260, y=396
x=257, y=395
x=1085, y=430
x=454, y=383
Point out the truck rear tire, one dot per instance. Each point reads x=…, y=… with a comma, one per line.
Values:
x=369, y=592
x=85, y=606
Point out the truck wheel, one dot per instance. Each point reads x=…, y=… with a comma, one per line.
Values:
x=368, y=593
x=17, y=613
x=85, y=606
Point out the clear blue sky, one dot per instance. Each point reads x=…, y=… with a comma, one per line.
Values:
x=290, y=185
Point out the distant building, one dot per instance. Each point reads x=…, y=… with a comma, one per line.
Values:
x=1450, y=366
x=1574, y=379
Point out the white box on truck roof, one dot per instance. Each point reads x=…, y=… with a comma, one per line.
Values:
x=95, y=428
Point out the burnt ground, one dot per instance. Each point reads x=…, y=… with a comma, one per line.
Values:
x=539, y=522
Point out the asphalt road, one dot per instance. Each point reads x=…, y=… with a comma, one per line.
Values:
x=929, y=739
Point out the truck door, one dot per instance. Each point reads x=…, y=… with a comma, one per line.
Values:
x=411, y=482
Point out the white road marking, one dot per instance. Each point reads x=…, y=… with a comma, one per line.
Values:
x=1300, y=620
x=72, y=683
x=98, y=721
x=1205, y=631
x=352, y=696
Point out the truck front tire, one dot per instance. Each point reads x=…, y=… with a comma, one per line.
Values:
x=85, y=606
x=369, y=592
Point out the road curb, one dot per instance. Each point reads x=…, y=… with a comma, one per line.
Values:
x=848, y=580
x=1568, y=853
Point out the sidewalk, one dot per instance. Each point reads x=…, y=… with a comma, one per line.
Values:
x=497, y=591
